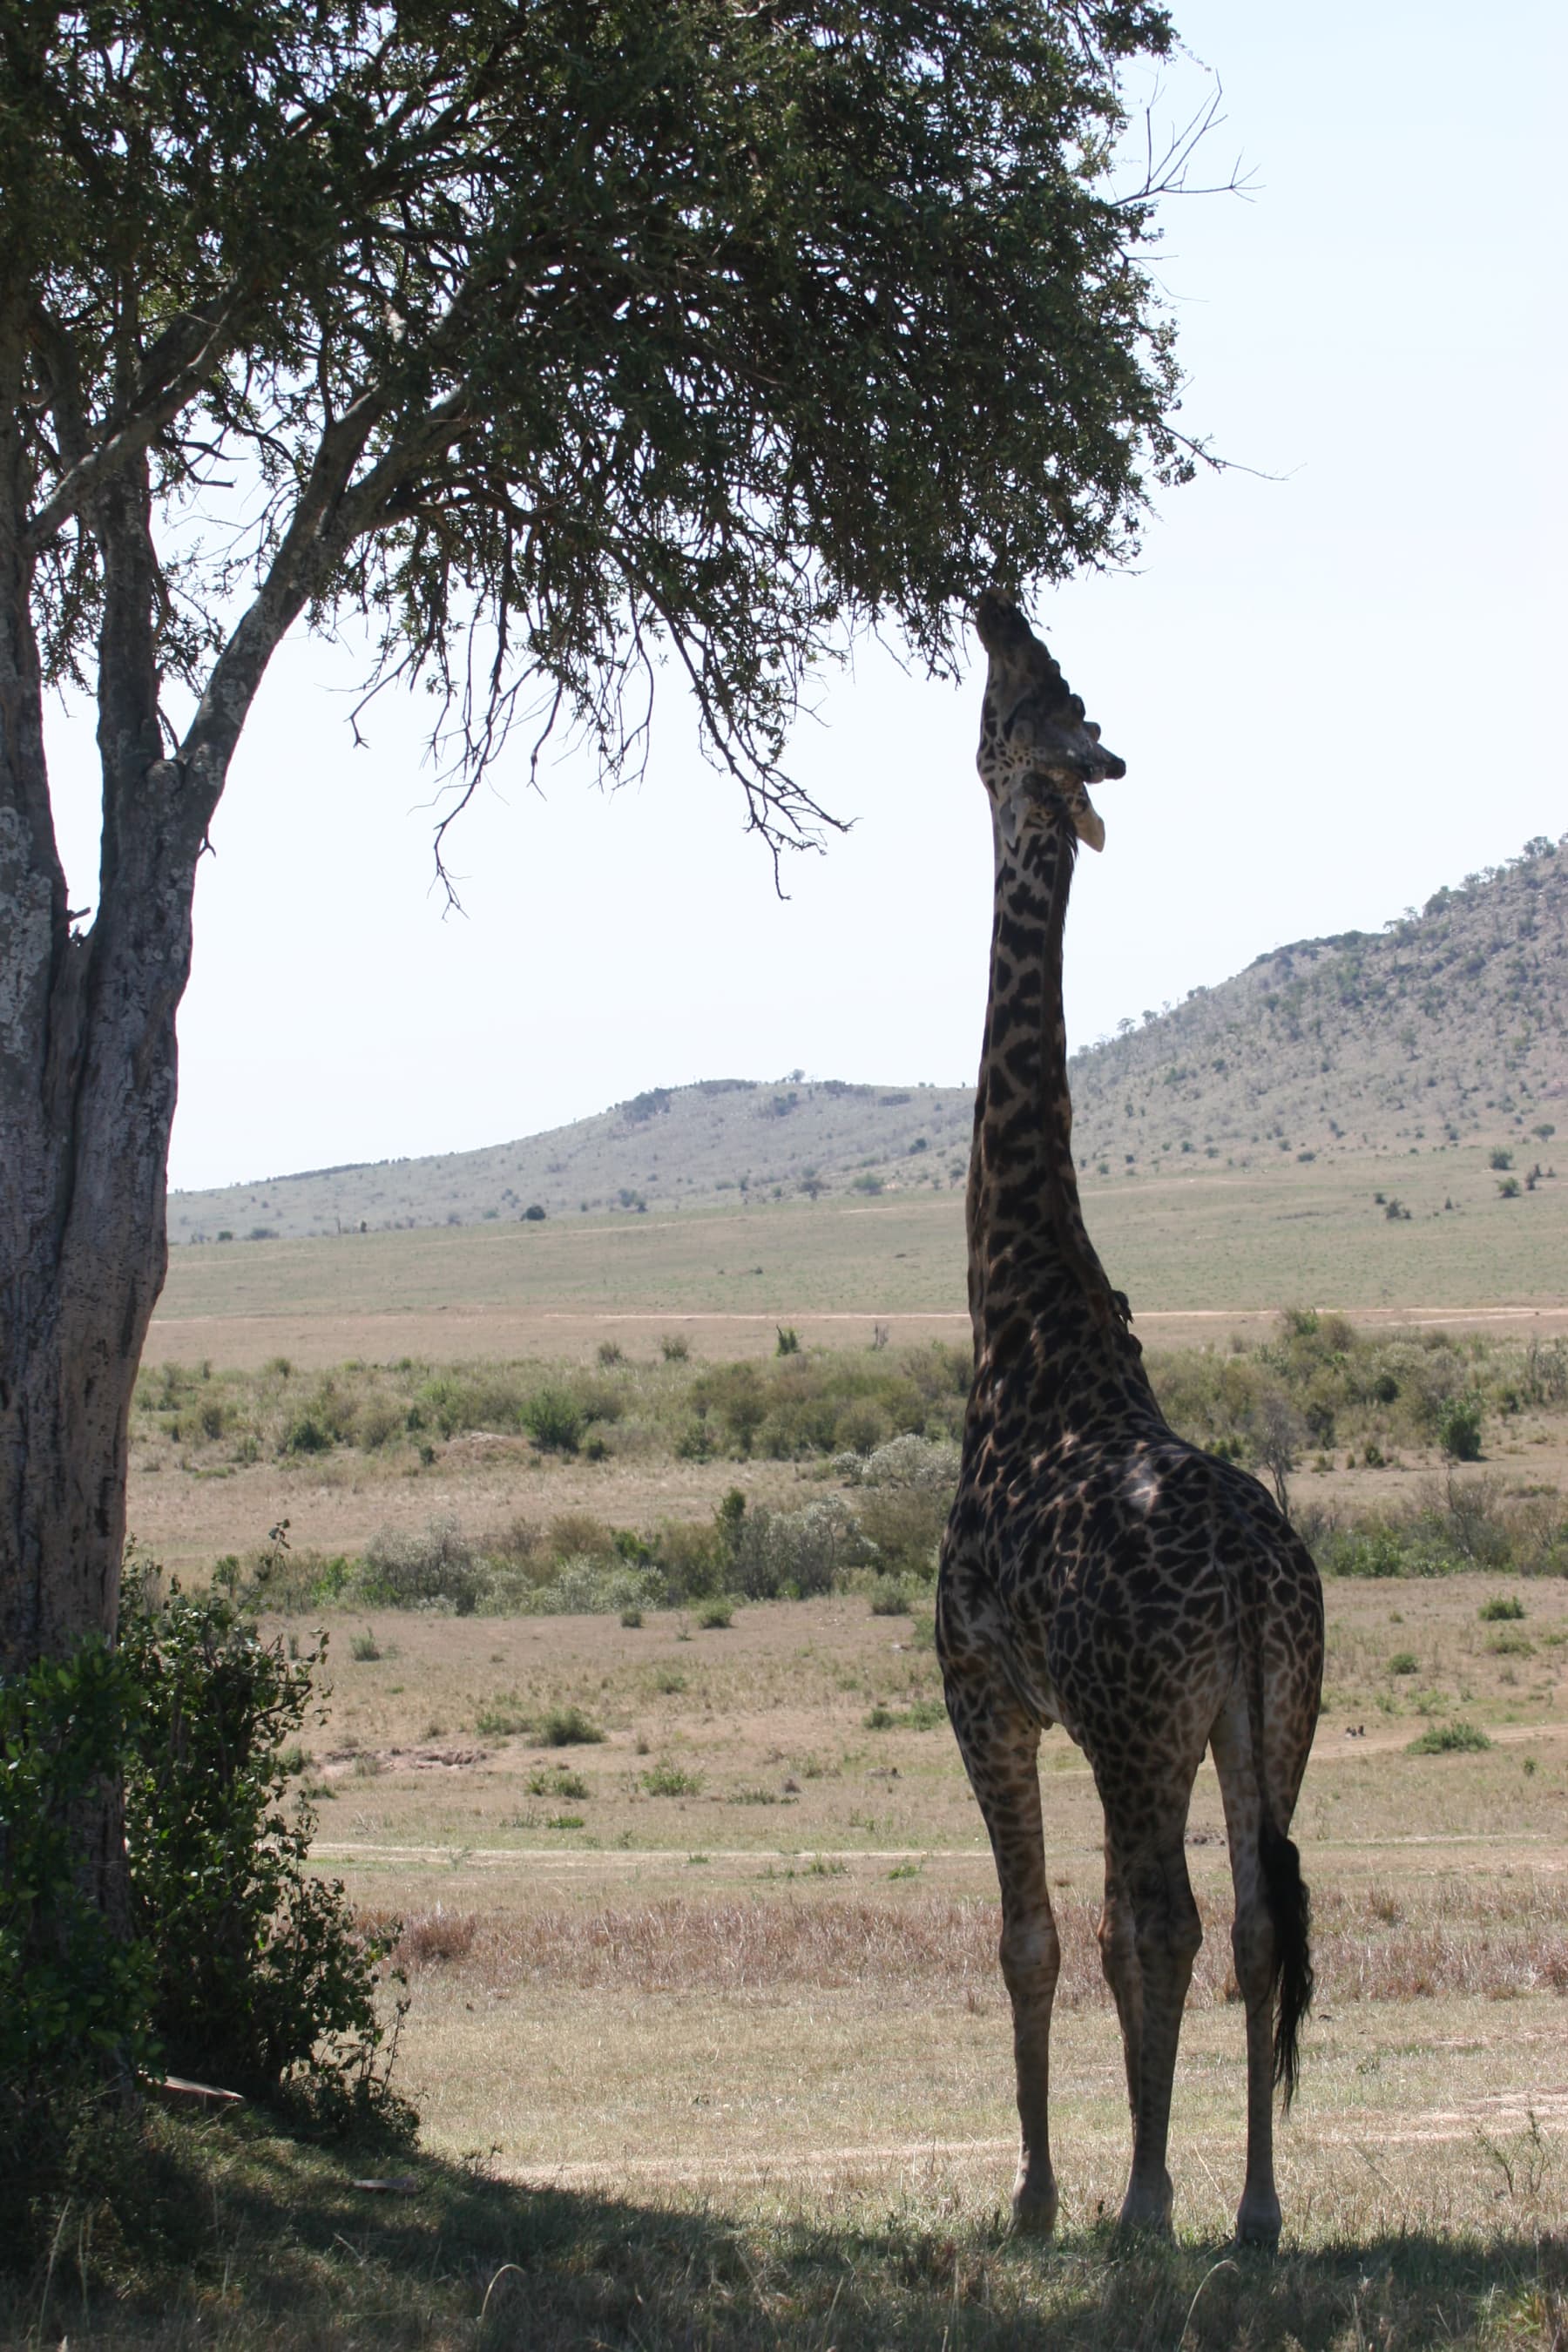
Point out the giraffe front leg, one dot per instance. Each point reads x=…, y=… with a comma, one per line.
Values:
x=1000, y=1746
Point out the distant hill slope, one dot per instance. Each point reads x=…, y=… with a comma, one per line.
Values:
x=1449, y=1025
x=670, y=1145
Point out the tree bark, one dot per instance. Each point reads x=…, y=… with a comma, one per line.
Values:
x=87, y=1096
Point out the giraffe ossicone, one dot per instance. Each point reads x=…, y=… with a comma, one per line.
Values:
x=1097, y=1571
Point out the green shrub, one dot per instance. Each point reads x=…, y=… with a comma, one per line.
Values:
x=889, y=1597
x=1449, y=1739
x=407, y=1570
x=554, y=1420
x=798, y=1552
x=691, y=1558
x=671, y=1781
x=557, y=1781
x=631, y=1619
x=567, y=1726
x=75, y=2000
x=715, y=1616
x=1500, y=1607
x=501, y=1718
x=588, y=1587
x=1404, y=1662
x=1459, y=1428
x=1374, y=1551
x=905, y=1524
x=261, y=1980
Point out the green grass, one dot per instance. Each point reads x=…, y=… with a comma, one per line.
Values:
x=924, y=1714
x=671, y=1781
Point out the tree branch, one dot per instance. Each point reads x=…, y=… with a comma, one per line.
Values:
x=95, y=467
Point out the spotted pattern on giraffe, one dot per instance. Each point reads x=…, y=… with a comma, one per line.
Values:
x=1097, y=1571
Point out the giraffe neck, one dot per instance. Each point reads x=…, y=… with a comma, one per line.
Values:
x=1035, y=1284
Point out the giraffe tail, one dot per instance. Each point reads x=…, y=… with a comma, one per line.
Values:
x=1291, y=1912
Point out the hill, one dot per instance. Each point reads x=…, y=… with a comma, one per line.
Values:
x=1448, y=1027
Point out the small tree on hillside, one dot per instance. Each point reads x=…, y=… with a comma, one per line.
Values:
x=539, y=341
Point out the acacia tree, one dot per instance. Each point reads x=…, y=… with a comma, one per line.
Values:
x=547, y=339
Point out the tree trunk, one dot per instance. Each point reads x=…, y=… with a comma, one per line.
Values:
x=87, y=1099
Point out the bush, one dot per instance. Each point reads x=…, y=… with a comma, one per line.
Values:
x=1500, y=1608
x=554, y=1420
x=671, y=1781
x=715, y=1616
x=261, y=1980
x=567, y=1726
x=583, y=1587
x=421, y=1572
x=889, y=1597
x=75, y=1998
x=1459, y=1428
x=798, y=1552
x=1449, y=1739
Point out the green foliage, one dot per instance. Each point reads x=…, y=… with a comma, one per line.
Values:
x=567, y=1726
x=715, y=1616
x=75, y=1996
x=1459, y=1428
x=553, y=1418
x=1449, y=1739
x=261, y=1980
x=1404, y=1662
x=889, y=1597
x=798, y=1552
x=671, y=1781
x=501, y=1718
x=410, y=1569
x=557, y=1781
x=1500, y=1607
x=789, y=1340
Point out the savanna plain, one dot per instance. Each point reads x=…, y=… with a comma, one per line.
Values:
x=632, y=1736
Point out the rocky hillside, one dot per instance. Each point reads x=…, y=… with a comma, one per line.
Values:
x=1449, y=1024
x=671, y=1145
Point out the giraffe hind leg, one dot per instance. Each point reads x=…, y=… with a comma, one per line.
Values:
x=1150, y=1938
x=1000, y=1746
x=1254, y=1944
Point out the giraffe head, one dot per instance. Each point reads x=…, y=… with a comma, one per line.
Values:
x=1038, y=754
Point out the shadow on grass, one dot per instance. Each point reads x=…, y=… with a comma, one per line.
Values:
x=243, y=2238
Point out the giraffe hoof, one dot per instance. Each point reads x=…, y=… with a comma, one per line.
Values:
x=1035, y=2208
x=1257, y=2224
x=1150, y=2214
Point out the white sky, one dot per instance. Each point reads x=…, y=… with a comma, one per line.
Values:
x=1334, y=690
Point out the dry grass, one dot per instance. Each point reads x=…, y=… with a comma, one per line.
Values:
x=1487, y=1942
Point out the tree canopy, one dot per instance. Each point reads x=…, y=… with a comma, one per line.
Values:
x=551, y=337
x=537, y=342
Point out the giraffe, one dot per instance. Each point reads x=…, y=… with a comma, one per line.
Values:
x=1097, y=1571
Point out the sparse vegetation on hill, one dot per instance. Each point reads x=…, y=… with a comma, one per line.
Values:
x=1449, y=1025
